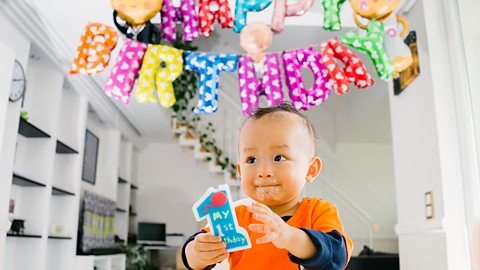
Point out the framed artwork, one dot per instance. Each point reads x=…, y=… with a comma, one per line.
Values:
x=90, y=156
x=411, y=73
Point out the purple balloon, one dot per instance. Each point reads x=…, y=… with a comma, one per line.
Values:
x=185, y=13
x=251, y=87
x=303, y=98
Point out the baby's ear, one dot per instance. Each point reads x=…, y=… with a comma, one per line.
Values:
x=238, y=169
x=313, y=169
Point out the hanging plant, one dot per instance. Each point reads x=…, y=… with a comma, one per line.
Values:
x=185, y=93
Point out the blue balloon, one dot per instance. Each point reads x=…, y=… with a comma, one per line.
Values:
x=209, y=66
x=244, y=6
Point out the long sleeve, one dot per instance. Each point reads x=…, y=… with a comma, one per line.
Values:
x=331, y=251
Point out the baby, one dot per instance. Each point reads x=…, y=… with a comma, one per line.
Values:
x=276, y=158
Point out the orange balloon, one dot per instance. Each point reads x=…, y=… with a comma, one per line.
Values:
x=137, y=12
x=93, y=54
x=255, y=39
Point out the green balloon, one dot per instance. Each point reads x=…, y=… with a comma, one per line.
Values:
x=331, y=15
x=372, y=44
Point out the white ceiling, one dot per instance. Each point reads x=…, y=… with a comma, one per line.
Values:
x=68, y=17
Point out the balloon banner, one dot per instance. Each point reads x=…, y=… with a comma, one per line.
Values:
x=93, y=56
x=302, y=98
x=331, y=15
x=354, y=70
x=242, y=7
x=120, y=83
x=137, y=12
x=255, y=39
x=209, y=10
x=250, y=86
x=161, y=66
x=281, y=10
x=373, y=46
x=209, y=66
x=185, y=13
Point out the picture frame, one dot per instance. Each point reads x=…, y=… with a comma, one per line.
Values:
x=90, y=157
x=413, y=71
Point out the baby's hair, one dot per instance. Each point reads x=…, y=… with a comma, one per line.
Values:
x=283, y=107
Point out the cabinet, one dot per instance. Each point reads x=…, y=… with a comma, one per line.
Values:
x=41, y=162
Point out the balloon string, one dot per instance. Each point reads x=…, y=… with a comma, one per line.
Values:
x=206, y=208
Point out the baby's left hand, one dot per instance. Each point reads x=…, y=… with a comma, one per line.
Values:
x=275, y=230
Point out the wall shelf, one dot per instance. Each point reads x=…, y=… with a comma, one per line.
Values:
x=121, y=210
x=28, y=130
x=122, y=181
x=64, y=149
x=60, y=237
x=24, y=235
x=61, y=192
x=25, y=182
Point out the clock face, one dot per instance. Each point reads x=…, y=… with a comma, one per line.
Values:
x=19, y=82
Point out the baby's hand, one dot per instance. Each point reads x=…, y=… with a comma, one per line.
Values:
x=206, y=249
x=275, y=230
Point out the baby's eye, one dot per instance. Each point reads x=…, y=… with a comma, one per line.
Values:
x=279, y=158
x=251, y=160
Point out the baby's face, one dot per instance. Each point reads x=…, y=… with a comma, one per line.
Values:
x=275, y=153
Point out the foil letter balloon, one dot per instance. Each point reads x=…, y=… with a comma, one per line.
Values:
x=331, y=15
x=242, y=7
x=283, y=9
x=384, y=11
x=301, y=97
x=216, y=206
x=93, y=55
x=209, y=66
x=354, y=70
x=161, y=66
x=185, y=13
x=211, y=10
x=137, y=12
x=372, y=45
x=251, y=87
x=122, y=79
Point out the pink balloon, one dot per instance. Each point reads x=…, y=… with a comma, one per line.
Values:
x=282, y=9
x=303, y=98
x=251, y=87
x=185, y=13
x=353, y=71
x=129, y=61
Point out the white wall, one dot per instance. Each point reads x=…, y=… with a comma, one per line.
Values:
x=372, y=164
x=170, y=181
x=16, y=41
x=425, y=143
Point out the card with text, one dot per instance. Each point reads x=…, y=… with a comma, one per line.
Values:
x=216, y=206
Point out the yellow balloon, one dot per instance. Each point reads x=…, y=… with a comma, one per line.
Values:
x=137, y=12
x=161, y=66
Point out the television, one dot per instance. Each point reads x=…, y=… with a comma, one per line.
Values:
x=151, y=233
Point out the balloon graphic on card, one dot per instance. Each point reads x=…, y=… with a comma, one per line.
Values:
x=216, y=206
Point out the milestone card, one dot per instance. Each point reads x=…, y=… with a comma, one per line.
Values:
x=216, y=206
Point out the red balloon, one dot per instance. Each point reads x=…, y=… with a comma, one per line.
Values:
x=218, y=199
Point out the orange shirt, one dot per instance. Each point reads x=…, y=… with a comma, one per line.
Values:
x=313, y=213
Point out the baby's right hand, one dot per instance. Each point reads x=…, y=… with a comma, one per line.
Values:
x=206, y=249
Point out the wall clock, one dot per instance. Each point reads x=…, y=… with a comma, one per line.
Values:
x=19, y=82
